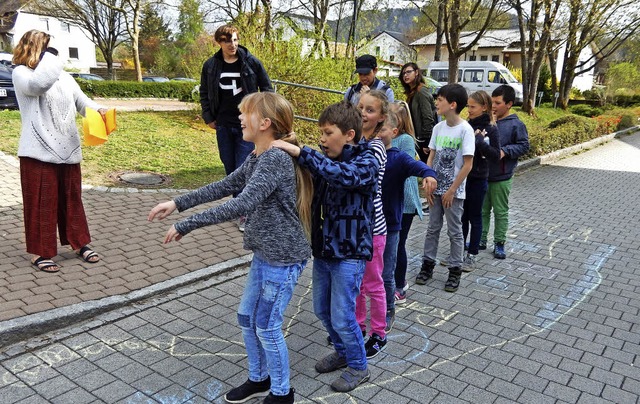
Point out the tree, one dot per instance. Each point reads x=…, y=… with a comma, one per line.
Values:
x=154, y=35
x=458, y=14
x=587, y=21
x=534, y=41
x=190, y=22
x=99, y=18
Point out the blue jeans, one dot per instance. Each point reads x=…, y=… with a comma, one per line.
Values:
x=265, y=298
x=472, y=216
x=401, y=259
x=232, y=148
x=388, y=273
x=336, y=283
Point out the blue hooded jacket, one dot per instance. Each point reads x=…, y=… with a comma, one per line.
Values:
x=342, y=207
x=514, y=142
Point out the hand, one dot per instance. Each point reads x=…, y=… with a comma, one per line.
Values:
x=426, y=150
x=172, y=234
x=162, y=210
x=364, y=89
x=103, y=113
x=502, y=154
x=429, y=184
x=447, y=199
x=212, y=125
x=430, y=199
x=293, y=150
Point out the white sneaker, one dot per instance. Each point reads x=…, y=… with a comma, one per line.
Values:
x=241, y=222
x=469, y=263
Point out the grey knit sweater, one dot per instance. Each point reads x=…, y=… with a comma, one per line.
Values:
x=268, y=200
x=48, y=99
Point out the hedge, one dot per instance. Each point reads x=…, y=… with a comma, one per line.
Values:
x=181, y=90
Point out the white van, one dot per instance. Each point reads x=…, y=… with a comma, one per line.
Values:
x=475, y=76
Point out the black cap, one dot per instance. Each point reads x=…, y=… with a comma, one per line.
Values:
x=365, y=63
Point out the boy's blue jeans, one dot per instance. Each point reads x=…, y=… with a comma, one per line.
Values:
x=388, y=273
x=472, y=216
x=336, y=283
x=266, y=295
x=232, y=148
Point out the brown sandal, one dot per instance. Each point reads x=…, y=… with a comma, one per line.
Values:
x=87, y=254
x=45, y=265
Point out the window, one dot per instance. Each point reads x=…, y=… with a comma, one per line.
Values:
x=495, y=77
x=392, y=58
x=377, y=51
x=495, y=58
x=472, y=58
x=45, y=22
x=65, y=26
x=440, y=75
x=73, y=53
x=484, y=58
x=473, y=76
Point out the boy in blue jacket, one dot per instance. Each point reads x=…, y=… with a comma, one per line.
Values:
x=345, y=181
x=400, y=166
x=514, y=143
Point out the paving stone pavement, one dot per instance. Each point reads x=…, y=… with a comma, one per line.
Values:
x=557, y=321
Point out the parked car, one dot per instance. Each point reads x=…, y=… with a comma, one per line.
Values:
x=7, y=92
x=5, y=58
x=87, y=76
x=432, y=85
x=184, y=79
x=475, y=76
x=155, y=79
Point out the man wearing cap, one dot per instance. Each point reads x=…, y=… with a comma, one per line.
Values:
x=367, y=67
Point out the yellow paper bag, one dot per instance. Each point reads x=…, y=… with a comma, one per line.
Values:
x=95, y=129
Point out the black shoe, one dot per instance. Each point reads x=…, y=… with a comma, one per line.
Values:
x=426, y=272
x=454, y=279
x=482, y=245
x=329, y=340
x=288, y=399
x=498, y=251
x=374, y=345
x=248, y=391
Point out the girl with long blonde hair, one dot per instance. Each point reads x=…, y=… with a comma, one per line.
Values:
x=274, y=193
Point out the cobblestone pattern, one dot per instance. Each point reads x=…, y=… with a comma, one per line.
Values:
x=557, y=321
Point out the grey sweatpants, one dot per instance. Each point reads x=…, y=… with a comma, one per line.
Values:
x=454, y=230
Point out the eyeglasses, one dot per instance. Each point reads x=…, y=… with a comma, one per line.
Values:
x=407, y=72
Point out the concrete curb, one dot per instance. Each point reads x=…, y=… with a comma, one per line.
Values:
x=21, y=328
x=562, y=153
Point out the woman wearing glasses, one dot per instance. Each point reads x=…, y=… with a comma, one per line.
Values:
x=421, y=105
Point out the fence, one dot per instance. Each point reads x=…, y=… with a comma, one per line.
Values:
x=326, y=90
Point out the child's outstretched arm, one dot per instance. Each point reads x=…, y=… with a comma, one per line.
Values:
x=293, y=150
x=359, y=172
x=162, y=210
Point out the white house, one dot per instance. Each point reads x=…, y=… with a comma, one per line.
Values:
x=392, y=51
x=74, y=44
x=502, y=46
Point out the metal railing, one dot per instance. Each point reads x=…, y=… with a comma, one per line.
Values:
x=286, y=83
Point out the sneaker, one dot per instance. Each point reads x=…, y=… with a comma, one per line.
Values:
x=391, y=319
x=241, y=223
x=469, y=263
x=374, y=345
x=482, y=245
x=329, y=340
x=400, y=297
x=288, y=399
x=350, y=379
x=498, y=251
x=331, y=362
x=406, y=286
x=248, y=391
x=426, y=272
x=445, y=262
x=454, y=280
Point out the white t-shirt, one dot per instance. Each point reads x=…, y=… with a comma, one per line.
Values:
x=451, y=143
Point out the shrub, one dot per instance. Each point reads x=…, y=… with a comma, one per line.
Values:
x=563, y=132
x=134, y=89
x=585, y=110
x=626, y=121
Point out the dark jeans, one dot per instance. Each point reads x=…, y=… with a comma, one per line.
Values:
x=232, y=148
x=401, y=258
x=475, y=191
